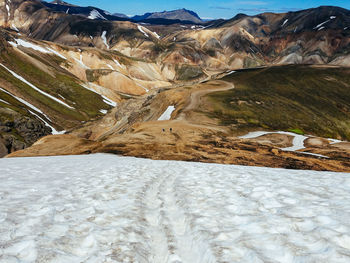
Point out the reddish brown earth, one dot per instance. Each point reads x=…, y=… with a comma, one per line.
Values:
x=187, y=140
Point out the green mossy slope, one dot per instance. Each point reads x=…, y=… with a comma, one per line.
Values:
x=314, y=100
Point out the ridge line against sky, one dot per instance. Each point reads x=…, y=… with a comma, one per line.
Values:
x=208, y=9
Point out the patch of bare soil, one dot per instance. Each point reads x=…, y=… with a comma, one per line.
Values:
x=53, y=145
x=276, y=139
x=179, y=140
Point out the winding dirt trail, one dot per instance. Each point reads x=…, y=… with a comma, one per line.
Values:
x=195, y=97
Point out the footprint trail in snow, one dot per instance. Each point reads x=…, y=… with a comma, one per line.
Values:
x=105, y=208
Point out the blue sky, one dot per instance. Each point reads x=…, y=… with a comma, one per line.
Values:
x=208, y=8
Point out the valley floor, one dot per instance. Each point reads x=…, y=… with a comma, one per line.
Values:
x=105, y=208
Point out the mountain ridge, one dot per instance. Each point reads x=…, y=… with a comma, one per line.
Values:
x=178, y=14
x=166, y=17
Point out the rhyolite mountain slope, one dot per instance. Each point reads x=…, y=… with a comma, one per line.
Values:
x=47, y=87
x=132, y=64
x=166, y=17
x=38, y=93
x=313, y=36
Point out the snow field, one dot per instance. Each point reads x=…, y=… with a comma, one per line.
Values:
x=105, y=208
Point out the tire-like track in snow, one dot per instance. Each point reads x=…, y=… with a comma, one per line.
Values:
x=167, y=226
x=104, y=208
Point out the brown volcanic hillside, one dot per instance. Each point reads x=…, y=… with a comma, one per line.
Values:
x=66, y=72
x=47, y=87
x=313, y=36
x=195, y=132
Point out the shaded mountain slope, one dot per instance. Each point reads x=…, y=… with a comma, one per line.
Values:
x=89, y=11
x=179, y=14
x=162, y=18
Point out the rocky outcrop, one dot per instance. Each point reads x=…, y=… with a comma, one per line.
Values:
x=3, y=148
x=20, y=132
x=30, y=129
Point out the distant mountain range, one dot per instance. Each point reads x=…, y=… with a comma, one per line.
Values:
x=180, y=14
x=175, y=16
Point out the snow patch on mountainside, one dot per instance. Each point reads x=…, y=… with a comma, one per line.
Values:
x=56, y=53
x=298, y=141
x=167, y=114
x=156, y=35
x=80, y=61
x=117, y=62
x=105, y=208
x=285, y=22
x=94, y=14
x=24, y=43
x=22, y=101
x=105, y=99
x=8, y=10
x=1, y=100
x=14, y=27
x=54, y=131
x=320, y=25
x=35, y=88
x=103, y=36
x=141, y=29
